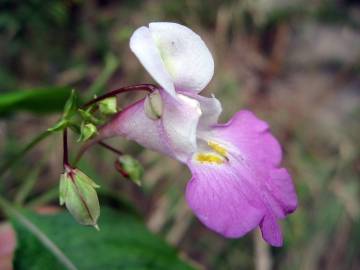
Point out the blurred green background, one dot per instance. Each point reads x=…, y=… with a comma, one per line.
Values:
x=295, y=63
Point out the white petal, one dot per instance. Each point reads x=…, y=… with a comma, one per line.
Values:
x=210, y=111
x=185, y=55
x=143, y=46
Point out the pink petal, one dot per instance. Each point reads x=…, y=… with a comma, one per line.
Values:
x=251, y=137
x=7, y=246
x=271, y=231
x=174, y=134
x=222, y=200
x=248, y=189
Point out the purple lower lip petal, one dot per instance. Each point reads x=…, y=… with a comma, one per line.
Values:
x=250, y=190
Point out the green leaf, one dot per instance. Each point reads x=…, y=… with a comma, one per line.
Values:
x=70, y=105
x=122, y=243
x=40, y=100
x=111, y=64
x=60, y=125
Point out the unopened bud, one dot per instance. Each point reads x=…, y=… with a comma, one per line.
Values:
x=153, y=106
x=108, y=105
x=130, y=168
x=87, y=131
x=77, y=192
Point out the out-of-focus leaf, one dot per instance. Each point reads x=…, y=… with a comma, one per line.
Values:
x=122, y=243
x=70, y=105
x=40, y=100
x=111, y=64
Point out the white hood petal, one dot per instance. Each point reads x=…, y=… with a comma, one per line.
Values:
x=175, y=56
x=143, y=46
x=185, y=55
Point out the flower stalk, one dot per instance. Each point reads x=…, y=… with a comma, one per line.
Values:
x=65, y=149
x=139, y=87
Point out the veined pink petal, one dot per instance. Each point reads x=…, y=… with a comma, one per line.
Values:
x=223, y=201
x=174, y=134
x=247, y=189
x=251, y=137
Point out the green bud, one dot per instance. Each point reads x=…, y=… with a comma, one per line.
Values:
x=77, y=192
x=108, y=105
x=87, y=131
x=153, y=106
x=130, y=168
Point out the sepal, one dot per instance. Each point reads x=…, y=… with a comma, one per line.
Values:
x=77, y=192
x=108, y=106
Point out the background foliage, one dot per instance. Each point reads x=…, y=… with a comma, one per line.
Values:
x=295, y=63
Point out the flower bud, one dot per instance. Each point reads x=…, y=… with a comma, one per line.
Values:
x=153, y=106
x=77, y=192
x=108, y=105
x=130, y=168
x=87, y=131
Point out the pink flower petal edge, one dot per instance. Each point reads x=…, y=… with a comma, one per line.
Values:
x=249, y=189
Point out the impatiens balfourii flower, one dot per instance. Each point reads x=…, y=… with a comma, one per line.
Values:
x=237, y=182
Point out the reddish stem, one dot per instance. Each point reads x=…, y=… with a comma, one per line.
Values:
x=65, y=149
x=138, y=87
x=112, y=149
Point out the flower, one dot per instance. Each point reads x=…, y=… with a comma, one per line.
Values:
x=237, y=182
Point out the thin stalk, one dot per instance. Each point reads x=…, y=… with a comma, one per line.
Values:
x=89, y=144
x=32, y=228
x=112, y=149
x=138, y=87
x=65, y=149
x=26, y=149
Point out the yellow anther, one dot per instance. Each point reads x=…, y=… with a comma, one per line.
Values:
x=209, y=158
x=218, y=148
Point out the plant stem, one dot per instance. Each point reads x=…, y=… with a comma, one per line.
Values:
x=20, y=154
x=138, y=87
x=87, y=145
x=65, y=149
x=109, y=147
x=32, y=228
